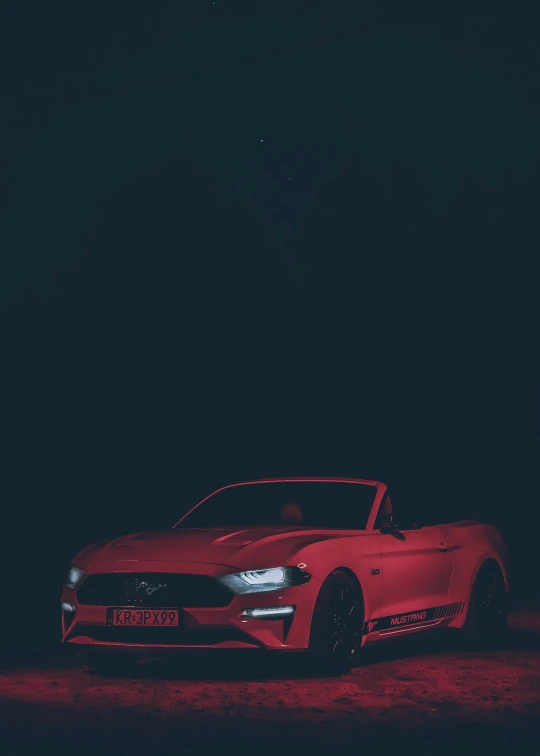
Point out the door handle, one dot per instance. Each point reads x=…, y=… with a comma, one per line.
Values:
x=443, y=547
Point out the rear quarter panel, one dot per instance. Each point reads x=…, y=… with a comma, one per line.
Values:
x=472, y=544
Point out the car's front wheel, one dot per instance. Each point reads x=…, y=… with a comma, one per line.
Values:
x=336, y=627
x=487, y=615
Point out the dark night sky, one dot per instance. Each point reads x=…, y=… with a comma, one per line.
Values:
x=239, y=239
x=93, y=102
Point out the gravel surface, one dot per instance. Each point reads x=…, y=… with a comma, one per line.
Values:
x=416, y=694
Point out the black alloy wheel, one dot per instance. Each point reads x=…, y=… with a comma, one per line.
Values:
x=336, y=627
x=487, y=616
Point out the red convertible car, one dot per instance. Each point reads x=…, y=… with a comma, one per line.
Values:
x=321, y=565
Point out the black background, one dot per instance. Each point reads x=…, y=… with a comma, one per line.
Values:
x=244, y=240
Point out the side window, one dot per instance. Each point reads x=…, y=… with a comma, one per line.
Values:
x=385, y=515
x=409, y=513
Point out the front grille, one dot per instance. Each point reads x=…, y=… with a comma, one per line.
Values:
x=155, y=635
x=153, y=589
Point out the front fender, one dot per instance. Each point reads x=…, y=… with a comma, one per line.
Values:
x=361, y=556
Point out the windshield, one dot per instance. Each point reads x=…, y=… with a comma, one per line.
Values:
x=307, y=504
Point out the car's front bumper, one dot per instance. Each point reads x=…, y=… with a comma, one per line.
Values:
x=201, y=627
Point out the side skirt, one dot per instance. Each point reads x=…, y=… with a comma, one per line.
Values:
x=422, y=617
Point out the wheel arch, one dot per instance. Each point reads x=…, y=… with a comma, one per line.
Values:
x=488, y=563
x=482, y=628
x=354, y=578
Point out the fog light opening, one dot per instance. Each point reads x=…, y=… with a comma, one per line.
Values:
x=269, y=612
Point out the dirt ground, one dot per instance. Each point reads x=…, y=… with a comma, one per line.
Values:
x=419, y=694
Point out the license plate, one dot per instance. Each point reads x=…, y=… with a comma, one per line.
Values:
x=143, y=617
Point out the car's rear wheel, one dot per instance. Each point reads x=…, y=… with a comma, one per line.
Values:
x=487, y=615
x=336, y=627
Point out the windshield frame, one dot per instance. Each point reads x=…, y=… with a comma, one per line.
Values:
x=380, y=490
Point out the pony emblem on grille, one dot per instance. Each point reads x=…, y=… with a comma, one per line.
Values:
x=137, y=590
x=151, y=588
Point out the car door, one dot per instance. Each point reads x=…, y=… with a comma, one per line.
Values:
x=417, y=564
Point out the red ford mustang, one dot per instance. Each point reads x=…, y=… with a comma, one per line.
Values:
x=322, y=565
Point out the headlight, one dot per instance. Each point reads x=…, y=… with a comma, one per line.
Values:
x=74, y=577
x=271, y=579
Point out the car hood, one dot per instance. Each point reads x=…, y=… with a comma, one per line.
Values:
x=242, y=548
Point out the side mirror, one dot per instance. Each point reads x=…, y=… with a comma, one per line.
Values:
x=389, y=529
x=405, y=526
x=393, y=530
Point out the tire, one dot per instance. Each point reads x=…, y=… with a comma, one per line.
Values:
x=336, y=627
x=108, y=664
x=487, y=615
